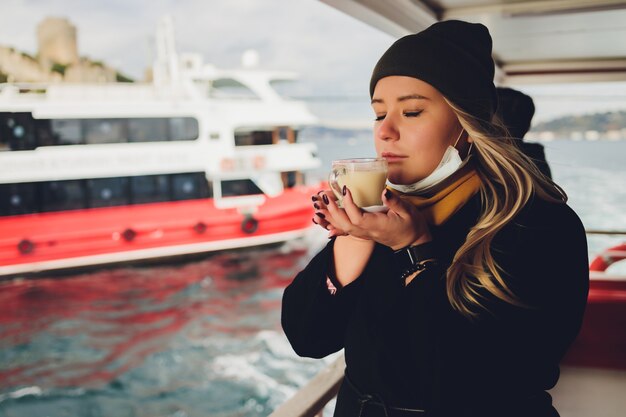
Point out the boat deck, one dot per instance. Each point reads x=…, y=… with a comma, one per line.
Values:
x=584, y=392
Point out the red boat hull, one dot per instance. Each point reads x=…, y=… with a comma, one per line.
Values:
x=601, y=342
x=30, y=243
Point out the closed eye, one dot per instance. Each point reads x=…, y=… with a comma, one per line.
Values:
x=379, y=118
x=412, y=113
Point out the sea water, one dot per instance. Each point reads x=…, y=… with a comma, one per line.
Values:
x=203, y=338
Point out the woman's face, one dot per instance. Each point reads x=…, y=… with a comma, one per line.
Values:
x=414, y=127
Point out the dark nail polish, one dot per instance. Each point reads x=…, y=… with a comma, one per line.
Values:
x=317, y=207
x=321, y=215
x=388, y=195
x=313, y=198
x=344, y=190
x=325, y=198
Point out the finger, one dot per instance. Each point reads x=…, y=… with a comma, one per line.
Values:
x=396, y=204
x=315, y=200
x=323, y=225
x=337, y=216
x=333, y=231
x=326, y=219
x=320, y=219
x=322, y=198
x=354, y=212
x=335, y=234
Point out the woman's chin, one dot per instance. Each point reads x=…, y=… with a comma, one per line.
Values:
x=399, y=179
x=395, y=178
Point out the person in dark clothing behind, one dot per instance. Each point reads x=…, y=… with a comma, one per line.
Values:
x=516, y=111
x=462, y=298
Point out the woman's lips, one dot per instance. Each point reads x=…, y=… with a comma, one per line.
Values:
x=392, y=157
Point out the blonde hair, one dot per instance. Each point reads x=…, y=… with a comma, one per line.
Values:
x=508, y=180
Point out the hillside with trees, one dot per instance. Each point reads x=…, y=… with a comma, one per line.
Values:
x=599, y=122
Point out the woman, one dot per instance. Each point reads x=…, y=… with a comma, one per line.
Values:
x=462, y=298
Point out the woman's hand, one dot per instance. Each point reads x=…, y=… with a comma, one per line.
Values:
x=320, y=202
x=400, y=226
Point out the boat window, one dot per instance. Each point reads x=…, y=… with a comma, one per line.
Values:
x=62, y=195
x=66, y=131
x=43, y=133
x=17, y=132
x=18, y=199
x=149, y=189
x=25, y=198
x=190, y=186
x=228, y=88
x=5, y=132
x=285, y=134
x=256, y=137
x=286, y=89
x=233, y=188
x=292, y=178
x=105, y=131
x=107, y=192
x=147, y=130
x=184, y=128
x=279, y=134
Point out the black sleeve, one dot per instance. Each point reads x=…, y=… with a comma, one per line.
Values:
x=313, y=319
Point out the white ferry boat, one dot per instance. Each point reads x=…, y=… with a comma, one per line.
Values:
x=201, y=159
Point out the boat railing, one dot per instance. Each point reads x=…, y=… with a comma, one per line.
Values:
x=605, y=232
x=85, y=91
x=14, y=89
x=609, y=256
x=310, y=400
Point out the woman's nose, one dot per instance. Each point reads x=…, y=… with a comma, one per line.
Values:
x=387, y=130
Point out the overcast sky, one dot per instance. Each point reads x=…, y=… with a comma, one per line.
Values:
x=333, y=53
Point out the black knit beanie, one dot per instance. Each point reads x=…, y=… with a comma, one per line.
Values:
x=452, y=56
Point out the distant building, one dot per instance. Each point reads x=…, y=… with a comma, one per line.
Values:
x=57, y=42
x=577, y=136
x=57, y=58
x=613, y=135
x=592, y=135
x=546, y=136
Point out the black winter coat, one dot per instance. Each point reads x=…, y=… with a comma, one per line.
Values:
x=406, y=344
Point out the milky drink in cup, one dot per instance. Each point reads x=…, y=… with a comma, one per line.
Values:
x=364, y=177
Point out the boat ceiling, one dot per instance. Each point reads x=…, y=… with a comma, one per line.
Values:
x=548, y=41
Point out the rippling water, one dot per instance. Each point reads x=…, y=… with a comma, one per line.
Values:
x=198, y=339
x=203, y=338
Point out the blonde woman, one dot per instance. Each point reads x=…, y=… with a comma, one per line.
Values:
x=462, y=298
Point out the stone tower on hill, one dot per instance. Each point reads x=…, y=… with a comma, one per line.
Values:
x=57, y=59
x=57, y=42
